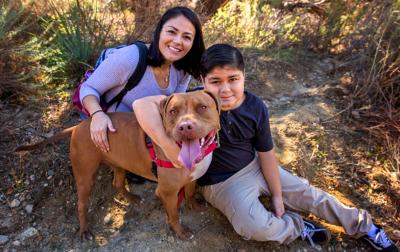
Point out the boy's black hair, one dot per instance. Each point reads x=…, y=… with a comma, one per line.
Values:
x=191, y=62
x=220, y=55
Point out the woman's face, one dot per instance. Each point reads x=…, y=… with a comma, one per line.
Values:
x=227, y=83
x=176, y=38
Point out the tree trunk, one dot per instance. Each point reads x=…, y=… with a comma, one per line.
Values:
x=146, y=16
x=208, y=8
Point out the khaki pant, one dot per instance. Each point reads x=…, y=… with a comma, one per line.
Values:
x=238, y=199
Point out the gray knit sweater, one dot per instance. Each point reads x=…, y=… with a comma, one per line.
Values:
x=113, y=73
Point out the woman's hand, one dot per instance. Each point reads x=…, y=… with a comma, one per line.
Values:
x=279, y=208
x=98, y=130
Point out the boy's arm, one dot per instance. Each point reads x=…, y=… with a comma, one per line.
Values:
x=269, y=168
x=148, y=115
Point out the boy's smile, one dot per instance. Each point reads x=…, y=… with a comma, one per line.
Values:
x=227, y=83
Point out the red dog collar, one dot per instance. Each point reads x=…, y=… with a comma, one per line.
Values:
x=168, y=164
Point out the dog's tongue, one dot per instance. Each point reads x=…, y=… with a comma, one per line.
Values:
x=189, y=152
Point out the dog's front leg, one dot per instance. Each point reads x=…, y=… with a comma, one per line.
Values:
x=193, y=203
x=169, y=198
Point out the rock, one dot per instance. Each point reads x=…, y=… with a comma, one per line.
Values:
x=171, y=239
x=107, y=218
x=396, y=234
x=32, y=178
x=3, y=239
x=15, y=203
x=22, y=198
x=9, y=250
x=3, y=198
x=6, y=223
x=16, y=243
x=50, y=134
x=29, y=208
x=50, y=173
x=356, y=114
x=318, y=247
x=29, y=232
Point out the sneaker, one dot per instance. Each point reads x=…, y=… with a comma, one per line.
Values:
x=134, y=179
x=315, y=233
x=380, y=241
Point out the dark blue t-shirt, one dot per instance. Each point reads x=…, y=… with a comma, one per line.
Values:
x=244, y=131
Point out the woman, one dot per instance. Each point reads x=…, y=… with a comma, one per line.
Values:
x=173, y=57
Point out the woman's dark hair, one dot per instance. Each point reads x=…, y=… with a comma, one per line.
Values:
x=191, y=62
x=220, y=55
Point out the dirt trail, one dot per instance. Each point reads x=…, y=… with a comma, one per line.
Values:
x=307, y=139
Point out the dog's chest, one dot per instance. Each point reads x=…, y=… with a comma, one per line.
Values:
x=201, y=167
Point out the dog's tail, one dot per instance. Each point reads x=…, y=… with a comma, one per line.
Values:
x=61, y=135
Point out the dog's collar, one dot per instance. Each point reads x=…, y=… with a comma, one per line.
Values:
x=168, y=164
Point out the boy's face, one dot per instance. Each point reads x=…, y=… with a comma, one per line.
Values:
x=227, y=83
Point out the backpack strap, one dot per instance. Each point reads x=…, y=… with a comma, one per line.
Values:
x=135, y=77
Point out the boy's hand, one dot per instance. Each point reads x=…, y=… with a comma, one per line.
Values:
x=279, y=208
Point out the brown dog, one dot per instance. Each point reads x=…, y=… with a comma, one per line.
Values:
x=191, y=119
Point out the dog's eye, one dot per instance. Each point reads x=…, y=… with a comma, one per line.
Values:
x=201, y=108
x=173, y=112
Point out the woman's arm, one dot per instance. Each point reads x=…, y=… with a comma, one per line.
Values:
x=269, y=168
x=148, y=115
x=113, y=72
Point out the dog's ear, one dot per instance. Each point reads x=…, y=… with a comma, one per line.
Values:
x=216, y=100
x=164, y=104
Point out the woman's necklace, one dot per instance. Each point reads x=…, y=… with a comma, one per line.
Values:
x=162, y=76
x=166, y=79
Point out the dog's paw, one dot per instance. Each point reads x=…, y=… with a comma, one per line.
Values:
x=184, y=233
x=197, y=205
x=134, y=199
x=86, y=235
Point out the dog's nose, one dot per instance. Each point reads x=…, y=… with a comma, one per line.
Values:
x=186, y=128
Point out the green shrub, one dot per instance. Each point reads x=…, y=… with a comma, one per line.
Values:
x=16, y=69
x=74, y=36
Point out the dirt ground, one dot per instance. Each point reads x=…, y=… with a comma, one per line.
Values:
x=306, y=101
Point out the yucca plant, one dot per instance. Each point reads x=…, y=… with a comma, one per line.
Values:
x=74, y=36
x=16, y=71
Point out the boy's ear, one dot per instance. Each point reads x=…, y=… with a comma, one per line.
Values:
x=164, y=104
x=216, y=100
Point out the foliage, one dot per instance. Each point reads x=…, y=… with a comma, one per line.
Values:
x=74, y=35
x=249, y=24
x=16, y=70
x=376, y=89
